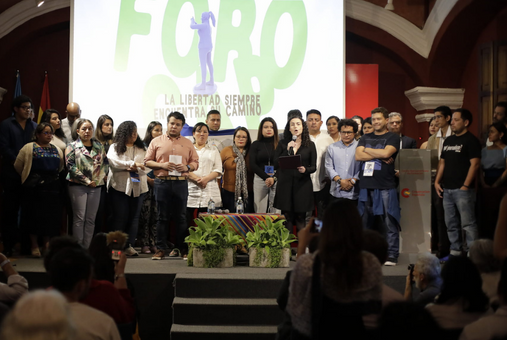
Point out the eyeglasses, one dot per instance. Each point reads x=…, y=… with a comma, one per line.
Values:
x=48, y=133
x=347, y=132
x=438, y=116
x=25, y=107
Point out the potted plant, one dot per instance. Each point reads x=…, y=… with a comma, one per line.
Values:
x=211, y=244
x=269, y=244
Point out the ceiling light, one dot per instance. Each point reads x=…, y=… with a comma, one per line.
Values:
x=39, y=2
x=389, y=6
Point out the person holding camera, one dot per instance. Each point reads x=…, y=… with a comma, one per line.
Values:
x=425, y=273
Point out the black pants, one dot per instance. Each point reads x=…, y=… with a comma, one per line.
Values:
x=439, y=239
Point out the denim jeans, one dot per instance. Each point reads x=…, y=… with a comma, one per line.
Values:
x=389, y=227
x=171, y=197
x=126, y=211
x=459, y=206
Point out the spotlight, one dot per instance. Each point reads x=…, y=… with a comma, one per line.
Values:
x=39, y=2
x=389, y=6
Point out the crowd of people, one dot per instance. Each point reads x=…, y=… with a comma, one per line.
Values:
x=102, y=180
x=106, y=179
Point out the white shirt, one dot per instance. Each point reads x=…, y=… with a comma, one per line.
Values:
x=322, y=141
x=209, y=161
x=488, y=327
x=119, y=179
x=442, y=140
x=92, y=324
x=67, y=129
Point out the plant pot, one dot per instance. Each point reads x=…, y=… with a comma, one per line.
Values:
x=264, y=260
x=200, y=260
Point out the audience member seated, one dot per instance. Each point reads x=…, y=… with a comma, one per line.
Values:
x=39, y=315
x=481, y=253
x=426, y=275
x=407, y=320
x=462, y=300
x=375, y=243
x=70, y=272
x=310, y=242
x=113, y=299
x=16, y=284
x=492, y=326
x=351, y=279
x=109, y=276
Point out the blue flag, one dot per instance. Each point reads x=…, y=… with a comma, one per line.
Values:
x=17, y=89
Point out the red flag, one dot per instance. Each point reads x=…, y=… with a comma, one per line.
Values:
x=45, y=103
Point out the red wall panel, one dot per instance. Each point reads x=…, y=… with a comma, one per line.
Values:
x=361, y=89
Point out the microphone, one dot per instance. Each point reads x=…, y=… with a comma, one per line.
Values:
x=291, y=149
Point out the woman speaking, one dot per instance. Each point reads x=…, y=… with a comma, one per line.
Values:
x=294, y=191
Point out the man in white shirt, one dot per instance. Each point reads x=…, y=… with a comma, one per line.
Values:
x=321, y=185
x=73, y=112
x=70, y=272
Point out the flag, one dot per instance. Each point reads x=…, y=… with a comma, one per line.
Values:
x=17, y=89
x=45, y=103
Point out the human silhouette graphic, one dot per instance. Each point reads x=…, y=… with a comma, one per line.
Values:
x=205, y=46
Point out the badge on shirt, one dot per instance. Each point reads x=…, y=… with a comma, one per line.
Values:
x=368, y=169
x=269, y=169
x=134, y=176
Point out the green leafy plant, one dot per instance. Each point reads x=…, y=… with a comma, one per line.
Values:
x=272, y=237
x=211, y=236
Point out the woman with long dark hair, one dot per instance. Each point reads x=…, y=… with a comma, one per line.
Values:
x=39, y=163
x=294, y=190
x=127, y=182
x=53, y=117
x=332, y=128
x=367, y=126
x=462, y=300
x=262, y=160
x=87, y=165
x=237, y=181
x=104, y=131
x=147, y=233
x=104, y=135
x=359, y=120
x=333, y=288
x=432, y=129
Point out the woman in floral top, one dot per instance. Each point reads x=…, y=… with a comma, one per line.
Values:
x=87, y=164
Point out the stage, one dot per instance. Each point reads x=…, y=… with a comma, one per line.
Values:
x=202, y=303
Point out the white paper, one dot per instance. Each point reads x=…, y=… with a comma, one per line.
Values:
x=176, y=160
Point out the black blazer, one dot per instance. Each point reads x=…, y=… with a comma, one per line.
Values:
x=294, y=190
x=408, y=143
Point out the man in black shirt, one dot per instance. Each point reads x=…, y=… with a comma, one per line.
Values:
x=377, y=196
x=457, y=169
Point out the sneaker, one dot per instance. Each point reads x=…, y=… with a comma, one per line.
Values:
x=174, y=253
x=159, y=255
x=391, y=262
x=145, y=250
x=130, y=251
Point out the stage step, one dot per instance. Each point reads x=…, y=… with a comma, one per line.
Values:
x=225, y=306
x=256, y=312
x=228, y=286
x=184, y=332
